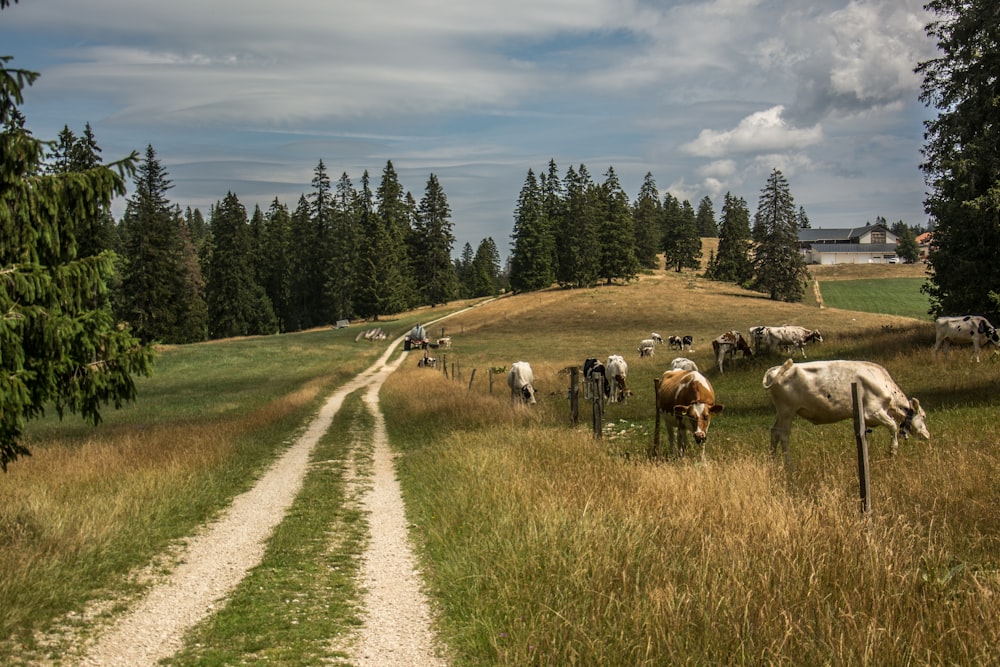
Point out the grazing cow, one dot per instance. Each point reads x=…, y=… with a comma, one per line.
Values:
x=520, y=379
x=687, y=341
x=689, y=400
x=789, y=337
x=683, y=364
x=594, y=366
x=727, y=344
x=758, y=336
x=820, y=391
x=675, y=342
x=646, y=347
x=616, y=372
x=656, y=337
x=973, y=329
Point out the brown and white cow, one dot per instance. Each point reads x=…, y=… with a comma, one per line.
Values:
x=973, y=329
x=616, y=371
x=689, y=401
x=820, y=391
x=520, y=379
x=727, y=345
x=789, y=337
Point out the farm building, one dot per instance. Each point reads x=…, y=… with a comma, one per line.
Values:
x=871, y=244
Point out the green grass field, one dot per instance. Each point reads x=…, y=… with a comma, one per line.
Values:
x=891, y=296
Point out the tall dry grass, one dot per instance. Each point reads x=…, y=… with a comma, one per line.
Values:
x=547, y=546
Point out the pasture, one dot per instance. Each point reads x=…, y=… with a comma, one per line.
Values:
x=541, y=544
x=545, y=545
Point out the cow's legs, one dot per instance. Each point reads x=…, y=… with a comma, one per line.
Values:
x=975, y=348
x=781, y=433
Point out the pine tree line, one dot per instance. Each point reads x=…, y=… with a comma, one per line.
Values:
x=344, y=252
x=578, y=233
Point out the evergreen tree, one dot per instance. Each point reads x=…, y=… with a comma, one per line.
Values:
x=342, y=282
x=803, y=220
x=646, y=216
x=396, y=217
x=486, y=277
x=237, y=303
x=733, y=262
x=378, y=267
x=303, y=272
x=576, y=239
x=153, y=280
x=191, y=309
x=553, y=207
x=961, y=163
x=705, y=219
x=277, y=279
x=464, y=272
x=681, y=243
x=531, y=254
x=435, y=272
x=57, y=348
x=779, y=268
x=616, y=233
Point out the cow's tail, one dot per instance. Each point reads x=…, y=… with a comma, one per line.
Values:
x=772, y=375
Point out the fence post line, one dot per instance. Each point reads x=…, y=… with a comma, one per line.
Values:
x=472, y=377
x=864, y=471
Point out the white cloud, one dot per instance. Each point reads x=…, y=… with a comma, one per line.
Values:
x=764, y=131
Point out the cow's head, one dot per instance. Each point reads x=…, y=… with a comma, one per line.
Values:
x=741, y=344
x=696, y=418
x=814, y=336
x=528, y=392
x=915, y=422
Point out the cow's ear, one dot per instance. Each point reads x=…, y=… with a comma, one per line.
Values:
x=715, y=409
x=680, y=410
x=915, y=405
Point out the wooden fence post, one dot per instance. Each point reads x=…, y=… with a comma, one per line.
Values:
x=864, y=472
x=574, y=396
x=597, y=379
x=471, y=378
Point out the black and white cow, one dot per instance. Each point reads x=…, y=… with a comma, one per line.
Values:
x=973, y=329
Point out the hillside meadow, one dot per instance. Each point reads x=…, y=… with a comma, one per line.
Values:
x=542, y=544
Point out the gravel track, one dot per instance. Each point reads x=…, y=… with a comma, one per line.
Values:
x=396, y=614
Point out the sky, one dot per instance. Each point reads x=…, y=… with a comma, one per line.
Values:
x=709, y=97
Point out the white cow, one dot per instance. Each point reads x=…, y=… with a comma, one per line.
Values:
x=820, y=391
x=973, y=329
x=616, y=371
x=646, y=347
x=657, y=338
x=789, y=337
x=683, y=364
x=520, y=379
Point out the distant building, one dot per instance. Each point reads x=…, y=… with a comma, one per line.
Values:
x=924, y=242
x=871, y=244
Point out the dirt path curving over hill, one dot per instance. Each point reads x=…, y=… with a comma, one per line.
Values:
x=397, y=618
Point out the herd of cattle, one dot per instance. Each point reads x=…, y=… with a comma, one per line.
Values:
x=818, y=391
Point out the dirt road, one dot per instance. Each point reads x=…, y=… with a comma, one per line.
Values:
x=396, y=630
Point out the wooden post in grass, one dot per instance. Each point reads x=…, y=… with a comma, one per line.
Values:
x=491, y=374
x=597, y=393
x=574, y=395
x=472, y=377
x=864, y=477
